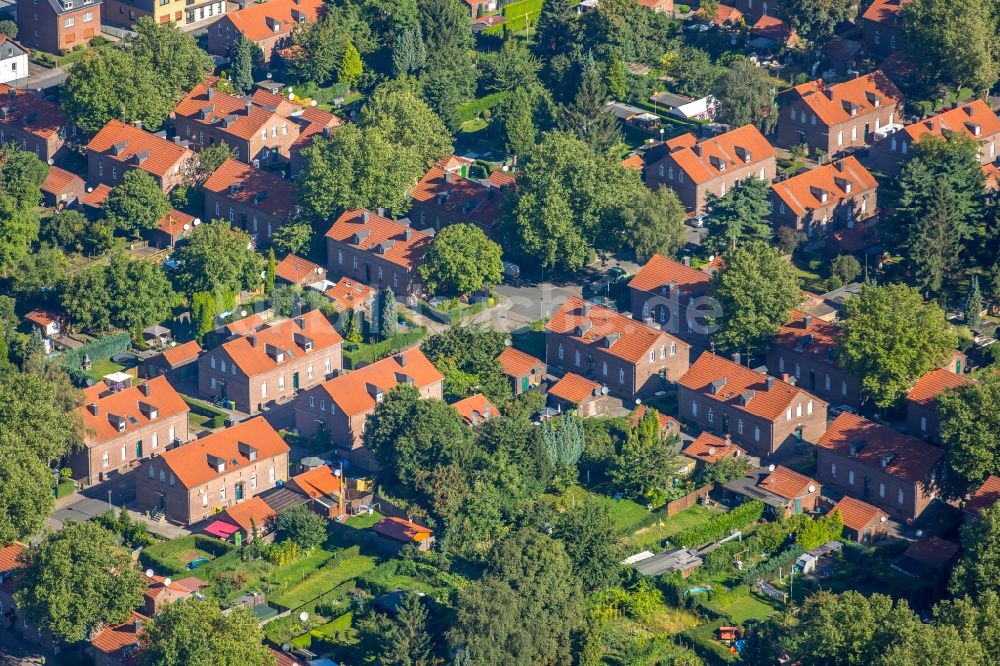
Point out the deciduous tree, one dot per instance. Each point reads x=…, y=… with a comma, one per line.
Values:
x=386, y=316
x=217, y=256
x=746, y=96
x=977, y=569
x=303, y=526
x=647, y=466
x=816, y=20
x=969, y=424
x=137, y=204
x=591, y=540
x=461, y=260
x=25, y=491
x=191, y=632
x=293, y=238
x=953, y=43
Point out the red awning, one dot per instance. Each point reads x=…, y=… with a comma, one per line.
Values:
x=221, y=529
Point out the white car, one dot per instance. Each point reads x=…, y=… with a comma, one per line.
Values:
x=698, y=221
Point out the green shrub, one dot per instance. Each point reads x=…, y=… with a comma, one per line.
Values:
x=683, y=9
x=766, y=569
x=722, y=525
x=475, y=108
x=98, y=349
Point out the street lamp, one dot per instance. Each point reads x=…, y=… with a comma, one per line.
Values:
x=110, y=505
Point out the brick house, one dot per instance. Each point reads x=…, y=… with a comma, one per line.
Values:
x=272, y=363
x=882, y=27
x=177, y=364
x=257, y=134
x=863, y=523
x=806, y=349
x=984, y=498
x=10, y=563
x=163, y=589
x=829, y=197
x=694, y=169
x=377, y=251
x=32, y=122
x=798, y=492
x=255, y=200
x=921, y=402
x=475, y=409
x=573, y=393
x=341, y=405
x=125, y=423
x=764, y=415
x=186, y=14
x=119, y=148
x=975, y=120
x=314, y=123
x=269, y=25
x=391, y=534
x=296, y=270
x=347, y=294
x=117, y=644
x=445, y=195
x=871, y=462
x=57, y=25
x=754, y=9
x=61, y=188
x=709, y=449
x=839, y=117
x=171, y=229
x=523, y=370
x=629, y=357
x=195, y=481
x=671, y=293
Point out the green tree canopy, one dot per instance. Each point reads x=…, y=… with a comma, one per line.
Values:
x=174, y=55
x=742, y=215
x=591, y=540
x=21, y=176
x=293, y=238
x=217, y=256
x=25, y=491
x=246, y=56
x=969, y=425
x=816, y=20
x=196, y=633
x=399, y=116
x=746, y=96
x=303, y=526
x=692, y=70
x=953, y=43
x=471, y=351
x=35, y=417
x=891, y=338
x=137, y=204
x=586, y=117
x=461, y=260
x=405, y=638
x=647, y=467
x=976, y=571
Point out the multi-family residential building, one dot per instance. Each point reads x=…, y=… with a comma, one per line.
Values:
x=833, y=118
x=57, y=25
x=805, y=351
x=250, y=198
x=984, y=498
x=631, y=358
x=119, y=148
x=296, y=270
x=882, y=27
x=447, y=195
x=975, y=120
x=671, y=294
x=195, y=481
x=696, y=169
x=257, y=134
x=863, y=522
x=874, y=463
x=523, y=370
x=764, y=415
x=269, y=25
x=32, y=122
x=377, y=251
x=341, y=405
x=922, y=402
x=123, y=423
x=186, y=14
x=829, y=197
x=13, y=60
x=314, y=124
x=272, y=362
x=579, y=395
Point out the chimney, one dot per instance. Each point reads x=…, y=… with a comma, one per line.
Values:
x=586, y=308
x=93, y=409
x=211, y=93
x=401, y=359
x=449, y=176
x=839, y=164
x=408, y=234
x=729, y=440
x=252, y=339
x=249, y=104
x=737, y=359
x=365, y=215
x=807, y=321
x=769, y=383
x=381, y=212
x=145, y=388
x=138, y=124
x=687, y=261
x=12, y=93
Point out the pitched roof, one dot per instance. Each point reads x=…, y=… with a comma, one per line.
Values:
x=9, y=557
x=825, y=185
x=127, y=144
x=857, y=515
x=157, y=585
x=932, y=551
x=297, y=270
x=660, y=271
x=879, y=447
x=475, y=409
x=260, y=21
x=516, y=363
x=667, y=423
x=316, y=482
x=279, y=103
x=42, y=317
x=235, y=116
x=975, y=119
x=771, y=27
x=350, y=294
x=112, y=640
x=724, y=14
x=787, y=483
x=834, y=104
x=450, y=192
x=809, y=335
x=634, y=161
x=248, y=324
x=402, y=530
x=575, y=389
x=131, y=407
x=175, y=222
x=731, y=383
x=96, y=197
x=704, y=160
x=886, y=11
x=252, y=187
x=182, y=353
x=29, y=111
x=985, y=497
x=711, y=449
x=284, y=340
x=392, y=240
x=352, y=391
x=615, y=333
x=190, y=462
x=250, y=513
x=58, y=180
x=313, y=121
x=933, y=384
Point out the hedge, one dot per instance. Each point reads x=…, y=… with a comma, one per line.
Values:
x=373, y=352
x=722, y=525
x=98, y=350
x=162, y=558
x=216, y=417
x=472, y=110
x=765, y=569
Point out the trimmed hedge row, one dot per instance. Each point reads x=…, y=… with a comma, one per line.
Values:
x=722, y=525
x=216, y=417
x=766, y=568
x=371, y=353
x=97, y=349
x=472, y=110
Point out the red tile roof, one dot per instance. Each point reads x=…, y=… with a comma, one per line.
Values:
x=163, y=157
x=724, y=15
x=771, y=27
x=711, y=449
x=131, y=405
x=740, y=382
x=660, y=271
x=42, y=317
x=932, y=551
x=250, y=513
x=254, y=188
x=817, y=338
x=96, y=197
x=398, y=529
x=932, y=384
x=886, y=11
x=704, y=160
x=456, y=195
x=575, y=389
x=59, y=180
x=976, y=120
x=984, y=498
x=667, y=423
x=252, y=357
x=227, y=113
x=475, y=409
x=516, y=363
x=316, y=482
x=634, y=161
x=9, y=557
x=313, y=121
x=285, y=659
x=297, y=270
x=174, y=222
x=257, y=22
x=246, y=325
x=188, y=351
x=393, y=241
x=31, y=112
x=350, y=294
x=858, y=515
x=839, y=181
x=190, y=463
x=350, y=391
x=788, y=483
x=833, y=104
x=113, y=639
x=614, y=333
x=881, y=448
x=501, y=179
x=282, y=105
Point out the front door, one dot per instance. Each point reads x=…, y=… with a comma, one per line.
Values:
x=239, y=492
x=163, y=502
x=295, y=381
x=798, y=505
x=138, y=450
x=524, y=384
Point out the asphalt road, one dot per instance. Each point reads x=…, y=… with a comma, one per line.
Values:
x=94, y=501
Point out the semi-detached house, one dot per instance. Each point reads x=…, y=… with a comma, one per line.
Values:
x=119, y=148
x=922, y=402
x=32, y=122
x=829, y=197
x=668, y=294
x=252, y=199
x=267, y=24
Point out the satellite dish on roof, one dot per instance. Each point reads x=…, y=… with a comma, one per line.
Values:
x=149, y=573
x=770, y=468
x=197, y=221
x=604, y=390
x=812, y=488
x=51, y=161
x=881, y=519
x=166, y=582
x=286, y=647
x=920, y=533
x=243, y=313
x=186, y=227
x=303, y=616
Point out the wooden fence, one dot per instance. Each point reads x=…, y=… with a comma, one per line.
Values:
x=689, y=500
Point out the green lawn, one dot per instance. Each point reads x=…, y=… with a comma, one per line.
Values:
x=64, y=488
x=100, y=369
x=654, y=535
x=363, y=521
x=705, y=636
x=177, y=553
x=750, y=607
x=324, y=580
x=474, y=125
x=627, y=515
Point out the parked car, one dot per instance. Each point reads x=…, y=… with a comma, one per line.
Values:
x=604, y=302
x=511, y=271
x=604, y=283
x=836, y=410
x=698, y=221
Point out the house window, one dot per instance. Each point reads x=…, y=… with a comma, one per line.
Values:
x=309, y=372
x=840, y=138
x=156, y=441
x=88, y=17
x=173, y=480
x=854, y=133
x=711, y=415
x=263, y=134
x=114, y=173
x=663, y=352
x=105, y=459
x=204, y=499
x=722, y=190
x=850, y=477
x=763, y=173
x=694, y=408
x=827, y=382
x=263, y=389
x=355, y=263
x=561, y=352
x=652, y=356
x=100, y=169
x=152, y=472
x=604, y=368
x=171, y=434
x=781, y=363
x=281, y=382
x=70, y=22
x=788, y=414
x=270, y=474
x=670, y=173
x=576, y=358
x=253, y=482
x=222, y=494
x=621, y=376
x=899, y=496
x=322, y=405
x=739, y=426
x=923, y=424
x=395, y=280
x=881, y=490
x=798, y=410
x=892, y=45
x=327, y=365
x=680, y=176
x=211, y=362
x=798, y=370
x=124, y=453
x=232, y=369
x=756, y=433
x=223, y=366
x=904, y=147
x=673, y=348
x=163, y=478
x=809, y=407
x=878, y=38
x=212, y=382
x=843, y=387
x=661, y=171
x=833, y=471
x=312, y=401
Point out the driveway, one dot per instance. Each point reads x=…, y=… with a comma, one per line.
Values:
x=529, y=302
